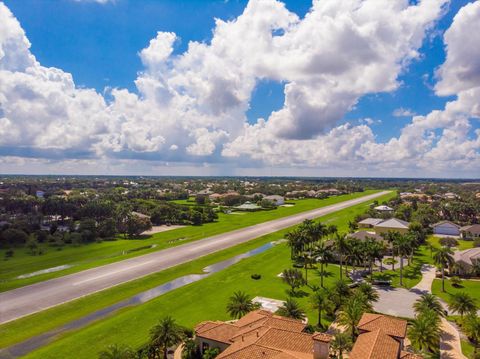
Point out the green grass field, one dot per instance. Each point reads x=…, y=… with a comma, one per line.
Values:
x=412, y=273
x=470, y=286
x=96, y=254
x=202, y=300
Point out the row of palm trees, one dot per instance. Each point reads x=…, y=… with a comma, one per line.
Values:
x=424, y=332
x=315, y=242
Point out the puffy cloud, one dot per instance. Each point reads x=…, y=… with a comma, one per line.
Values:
x=403, y=112
x=461, y=70
x=191, y=107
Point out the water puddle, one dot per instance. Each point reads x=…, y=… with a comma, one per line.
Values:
x=44, y=271
x=43, y=339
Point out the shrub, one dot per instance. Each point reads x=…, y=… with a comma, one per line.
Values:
x=9, y=253
x=256, y=276
x=448, y=242
x=456, y=281
x=476, y=242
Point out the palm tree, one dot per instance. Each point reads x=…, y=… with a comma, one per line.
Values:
x=350, y=314
x=165, y=334
x=294, y=242
x=294, y=278
x=314, y=231
x=307, y=257
x=339, y=293
x=471, y=327
x=116, y=351
x=342, y=342
x=291, y=309
x=368, y=291
x=462, y=303
x=424, y=332
x=323, y=255
x=240, y=304
x=320, y=302
x=428, y=301
x=444, y=258
x=391, y=237
x=341, y=246
x=402, y=245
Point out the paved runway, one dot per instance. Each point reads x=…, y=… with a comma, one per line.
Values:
x=30, y=299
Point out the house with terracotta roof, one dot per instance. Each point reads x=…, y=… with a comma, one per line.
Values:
x=381, y=337
x=261, y=334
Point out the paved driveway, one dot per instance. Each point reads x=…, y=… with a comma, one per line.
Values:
x=399, y=301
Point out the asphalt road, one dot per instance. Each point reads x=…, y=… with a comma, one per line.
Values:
x=30, y=299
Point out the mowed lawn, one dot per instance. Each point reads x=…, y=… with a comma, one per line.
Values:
x=205, y=299
x=424, y=255
x=96, y=254
x=472, y=287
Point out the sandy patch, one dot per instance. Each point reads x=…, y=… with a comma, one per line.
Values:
x=164, y=228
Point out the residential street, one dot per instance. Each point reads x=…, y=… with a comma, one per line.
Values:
x=34, y=298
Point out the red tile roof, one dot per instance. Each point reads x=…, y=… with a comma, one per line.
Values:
x=375, y=345
x=389, y=325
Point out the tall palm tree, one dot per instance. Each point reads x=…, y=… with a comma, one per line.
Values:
x=402, y=245
x=314, y=231
x=341, y=247
x=294, y=278
x=339, y=293
x=471, y=327
x=291, y=309
x=428, y=301
x=320, y=302
x=340, y=343
x=424, y=332
x=116, y=351
x=391, y=237
x=444, y=258
x=240, y=304
x=307, y=259
x=323, y=255
x=350, y=314
x=462, y=303
x=294, y=241
x=165, y=334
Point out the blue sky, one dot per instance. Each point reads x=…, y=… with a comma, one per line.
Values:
x=99, y=44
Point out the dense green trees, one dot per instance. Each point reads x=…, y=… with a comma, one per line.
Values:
x=424, y=331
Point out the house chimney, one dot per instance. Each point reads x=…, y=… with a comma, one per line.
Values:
x=321, y=345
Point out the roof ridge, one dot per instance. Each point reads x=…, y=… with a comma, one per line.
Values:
x=288, y=331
